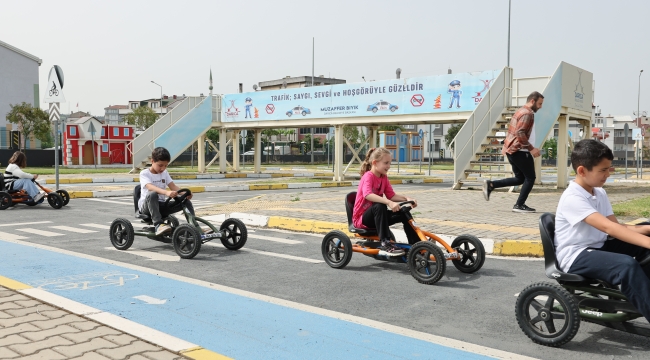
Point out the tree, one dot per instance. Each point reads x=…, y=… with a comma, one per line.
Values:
x=48, y=142
x=550, y=146
x=307, y=140
x=142, y=117
x=30, y=120
x=451, y=135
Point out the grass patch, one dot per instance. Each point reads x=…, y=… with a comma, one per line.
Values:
x=633, y=208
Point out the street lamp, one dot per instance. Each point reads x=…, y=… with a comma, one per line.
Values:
x=639, y=121
x=160, y=96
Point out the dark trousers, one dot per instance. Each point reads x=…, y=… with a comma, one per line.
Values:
x=379, y=217
x=157, y=209
x=615, y=263
x=523, y=166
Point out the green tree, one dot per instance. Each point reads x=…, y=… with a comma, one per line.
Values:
x=48, y=142
x=213, y=135
x=30, y=120
x=142, y=117
x=550, y=147
x=451, y=135
x=307, y=140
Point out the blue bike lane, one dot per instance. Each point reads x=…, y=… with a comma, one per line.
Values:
x=228, y=321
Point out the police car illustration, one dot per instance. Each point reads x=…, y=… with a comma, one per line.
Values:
x=298, y=110
x=382, y=105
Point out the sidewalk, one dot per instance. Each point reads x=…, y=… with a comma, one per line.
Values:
x=32, y=329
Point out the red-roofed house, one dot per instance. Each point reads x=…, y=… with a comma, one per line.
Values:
x=111, y=143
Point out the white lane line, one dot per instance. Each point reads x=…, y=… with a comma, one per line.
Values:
x=76, y=230
x=8, y=236
x=26, y=223
x=40, y=232
x=275, y=239
x=260, y=252
x=98, y=226
x=109, y=201
x=147, y=254
x=434, y=339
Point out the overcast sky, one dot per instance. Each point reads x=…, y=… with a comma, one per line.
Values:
x=111, y=50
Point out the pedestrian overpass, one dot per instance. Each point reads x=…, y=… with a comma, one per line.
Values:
x=483, y=101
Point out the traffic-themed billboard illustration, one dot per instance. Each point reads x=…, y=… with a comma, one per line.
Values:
x=421, y=95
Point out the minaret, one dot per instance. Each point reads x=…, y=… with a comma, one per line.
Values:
x=210, y=82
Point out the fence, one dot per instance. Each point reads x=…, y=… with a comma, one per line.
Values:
x=35, y=157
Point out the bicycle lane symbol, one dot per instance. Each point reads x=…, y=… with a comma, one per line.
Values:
x=85, y=281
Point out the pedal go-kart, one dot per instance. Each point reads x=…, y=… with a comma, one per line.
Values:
x=425, y=260
x=186, y=238
x=550, y=314
x=57, y=199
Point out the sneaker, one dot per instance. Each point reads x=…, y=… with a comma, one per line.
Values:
x=162, y=229
x=522, y=209
x=207, y=230
x=389, y=249
x=38, y=197
x=487, y=189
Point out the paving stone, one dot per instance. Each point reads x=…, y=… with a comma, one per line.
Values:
x=43, y=334
x=35, y=346
x=53, y=314
x=21, y=319
x=9, y=305
x=5, y=353
x=157, y=355
x=76, y=350
x=46, y=354
x=91, y=356
x=84, y=325
x=17, y=329
x=84, y=336
x=13, y=340
x=40, y=308
x=123, y=352
x=52, y=323
x=4, y=315
x=122, y=339
x=27, y=303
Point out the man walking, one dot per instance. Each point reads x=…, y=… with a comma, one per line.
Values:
x=518, y=147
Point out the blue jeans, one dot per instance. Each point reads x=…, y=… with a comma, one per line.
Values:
x=28, y=185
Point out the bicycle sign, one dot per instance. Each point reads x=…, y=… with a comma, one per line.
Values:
x=85, y=281
x=53, y=90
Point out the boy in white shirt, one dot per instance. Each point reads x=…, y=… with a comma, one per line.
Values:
x=583, y=220
x=154, y=182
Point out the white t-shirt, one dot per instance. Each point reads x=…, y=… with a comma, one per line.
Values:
x=161, y=180
x=572, y=234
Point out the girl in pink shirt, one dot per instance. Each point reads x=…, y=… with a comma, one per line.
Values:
x=370, y=206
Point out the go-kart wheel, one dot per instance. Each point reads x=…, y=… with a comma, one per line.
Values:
x=426, y=262
x=471, y=251
x=547, y=314
x=235, y=234
x=121, y=234
x=55, y=200
x=5, y=200
x=336, y=249
x=172, y=221
x=66, y=197
x=187, y=241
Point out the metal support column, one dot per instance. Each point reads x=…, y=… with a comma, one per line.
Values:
x=562, y=152
x=338, y=153
x=222, y=150
x=257, y=158
x=235, y=150
x=201, y=153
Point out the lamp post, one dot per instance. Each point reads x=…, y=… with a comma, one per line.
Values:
x=638, y=114
x=160, y=96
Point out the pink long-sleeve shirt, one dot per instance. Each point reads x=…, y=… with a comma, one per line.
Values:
x=369, y=184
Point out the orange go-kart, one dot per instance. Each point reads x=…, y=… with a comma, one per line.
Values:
x=57, y=199
x=425, y=259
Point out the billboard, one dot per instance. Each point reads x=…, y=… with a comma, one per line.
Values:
x=421, y=95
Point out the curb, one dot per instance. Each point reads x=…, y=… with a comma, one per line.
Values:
x=145, y=333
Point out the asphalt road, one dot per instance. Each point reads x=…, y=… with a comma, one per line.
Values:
x=477, y=308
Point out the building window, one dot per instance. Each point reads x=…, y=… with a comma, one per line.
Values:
x=103, y=131
x=134, y=106
x=116, y=132
x=126, y=131
x=318, y=130
x=105, y=148
x=73, y=131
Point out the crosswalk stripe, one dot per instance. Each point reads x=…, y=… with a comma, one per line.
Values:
x=8, y=236
x=109, y=201
x=40, y=232
x=268, y=253
x=26, y=223
x=270, y=238
x=99, y=226
x=77, y=230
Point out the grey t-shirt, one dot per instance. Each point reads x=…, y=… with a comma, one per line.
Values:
x=161, y=180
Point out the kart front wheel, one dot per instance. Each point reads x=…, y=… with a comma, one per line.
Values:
x=235, y=234
x=187, y=241
x=65, y=196
x=55, y=200
x=547, y=314
x=121, y=234
x=426, y=262
x=5, y=200
x=336, y=249
x=472, y=253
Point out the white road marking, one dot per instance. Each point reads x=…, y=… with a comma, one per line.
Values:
x=40, y=232
x=76, y=230
x=148, y=254
x=275, y=239
x=150, y=300
x=99, y=226
x=8, y=236
x=268, y=253
x=26, y=223
x=109, y=201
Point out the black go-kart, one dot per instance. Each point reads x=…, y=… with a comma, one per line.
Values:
x=550, y=314
x=186, y=238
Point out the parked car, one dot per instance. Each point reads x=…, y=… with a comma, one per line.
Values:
x=382, y=105
x=252, y=152
x=317, y=152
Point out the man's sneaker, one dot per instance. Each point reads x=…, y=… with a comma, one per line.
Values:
x=38, y=197
x=162, y=229
x=389, y=249
x=487, y=189
x=522, y=209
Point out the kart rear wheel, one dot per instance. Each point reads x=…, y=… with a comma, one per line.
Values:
x=471, y=251
x=235, y=234
x=121, y=234
x=336, y=249
x=426, y=262
x=187, y=241
x=55, y=200
x=547, y=314
x=66, y=197
x=5, y=200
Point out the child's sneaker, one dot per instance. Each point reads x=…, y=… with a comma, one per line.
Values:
x=522, y=209
x=389, y=249
x=38, y=197
x=162, y=229
x=487, y=189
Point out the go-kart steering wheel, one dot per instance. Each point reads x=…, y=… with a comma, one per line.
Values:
x=406, y=202
x=179, y=199
x=645, y=261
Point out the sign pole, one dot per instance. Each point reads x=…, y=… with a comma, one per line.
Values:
x=626, y=129
x=54, y=115
x=398, y=135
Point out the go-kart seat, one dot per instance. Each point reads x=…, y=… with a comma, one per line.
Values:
x=2, y=186
x=136, y=197
x=349, y=207
x=547, y=232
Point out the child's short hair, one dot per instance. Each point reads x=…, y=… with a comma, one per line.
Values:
x=589, y=153
x=160, y=154
x=19, y=159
